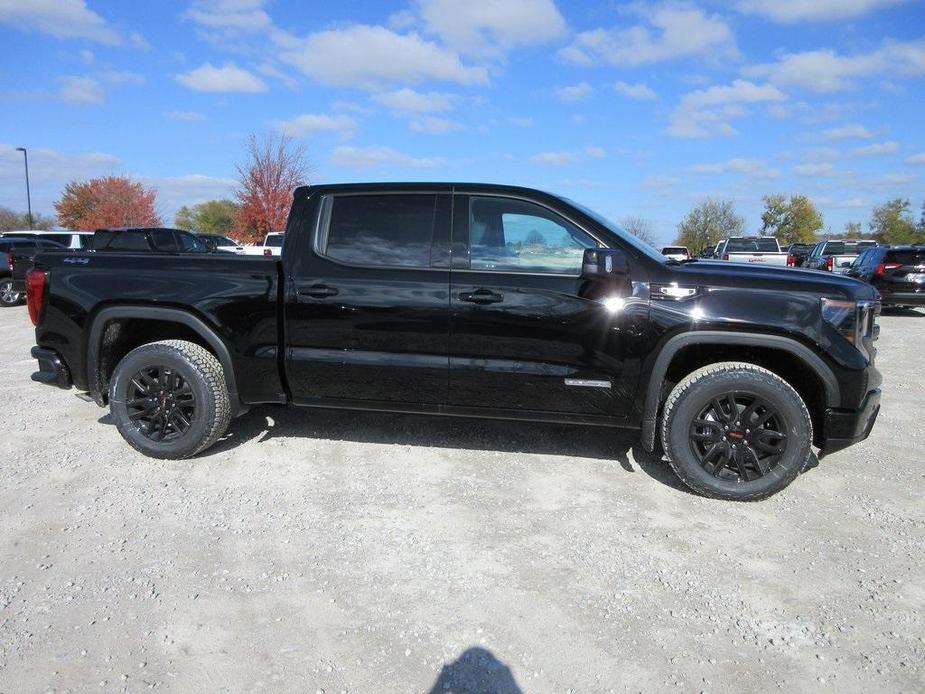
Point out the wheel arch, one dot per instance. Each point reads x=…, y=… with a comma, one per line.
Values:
x=197, y=328
x=794, y=350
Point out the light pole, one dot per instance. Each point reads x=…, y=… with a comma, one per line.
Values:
x=25, y=156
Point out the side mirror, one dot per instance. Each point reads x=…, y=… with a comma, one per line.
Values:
x=604, y=263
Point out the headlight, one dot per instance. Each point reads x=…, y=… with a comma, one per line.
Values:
x=841, y=315
x=855, y=320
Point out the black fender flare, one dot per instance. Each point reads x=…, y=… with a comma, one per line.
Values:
x=174, y=315
x=720, y=337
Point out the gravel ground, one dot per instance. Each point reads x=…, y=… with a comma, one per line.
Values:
x=314, y=551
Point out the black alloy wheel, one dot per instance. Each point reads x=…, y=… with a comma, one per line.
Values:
x=738, y=436
x=160, y=402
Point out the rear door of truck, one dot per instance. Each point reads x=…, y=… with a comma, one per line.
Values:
x=367, y=312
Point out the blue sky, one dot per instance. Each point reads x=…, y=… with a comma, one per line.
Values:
x=631, y=108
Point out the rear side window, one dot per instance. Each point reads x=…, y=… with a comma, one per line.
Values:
x=274, y=241
x=910, y=257
x=85, y=240
x=128, y=241
x=63, y=239
x=384, y=230
x=164, y=241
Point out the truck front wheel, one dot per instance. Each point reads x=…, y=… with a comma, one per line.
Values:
x=736, y=431
x=169, y=399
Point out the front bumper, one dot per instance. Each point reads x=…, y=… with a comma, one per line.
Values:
x=52, y=369
x=843, y=428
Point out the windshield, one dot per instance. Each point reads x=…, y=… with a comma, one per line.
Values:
x=618, y=231
x=756, y=245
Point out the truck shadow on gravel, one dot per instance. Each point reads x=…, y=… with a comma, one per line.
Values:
x=476, y=670
x=266, y=422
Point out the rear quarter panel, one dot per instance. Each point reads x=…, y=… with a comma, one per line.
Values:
x=237, y=297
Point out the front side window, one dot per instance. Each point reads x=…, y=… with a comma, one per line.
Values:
x=190, y=243
x=520, y=236
x=385, y=230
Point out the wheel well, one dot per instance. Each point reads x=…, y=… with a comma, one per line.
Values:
x=789, y=367
x=121, y=335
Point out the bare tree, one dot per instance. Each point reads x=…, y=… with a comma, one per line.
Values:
x=275, y=166
x=641, y=228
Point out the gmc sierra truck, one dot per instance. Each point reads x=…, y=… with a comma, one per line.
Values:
x=474, y=300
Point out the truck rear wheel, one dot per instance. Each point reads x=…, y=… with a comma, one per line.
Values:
x=169, y=399
x=8, y=297
x=736, y=431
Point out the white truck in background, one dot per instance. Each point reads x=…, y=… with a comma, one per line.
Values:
x=272, y=245
x=751, y=249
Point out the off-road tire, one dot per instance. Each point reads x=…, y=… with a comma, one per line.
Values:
x=204, y=374
x=691, y=394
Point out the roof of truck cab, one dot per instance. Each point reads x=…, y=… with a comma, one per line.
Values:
x=439, y=186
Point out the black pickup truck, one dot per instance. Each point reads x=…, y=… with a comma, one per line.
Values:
x=474, y=300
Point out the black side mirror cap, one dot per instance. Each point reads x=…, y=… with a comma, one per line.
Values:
x=604, y=263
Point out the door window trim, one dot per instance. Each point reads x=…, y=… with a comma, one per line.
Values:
x=323, y=226
x=467, y=240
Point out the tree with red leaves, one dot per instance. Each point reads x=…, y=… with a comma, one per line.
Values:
x=275, y=167
x=111, y=201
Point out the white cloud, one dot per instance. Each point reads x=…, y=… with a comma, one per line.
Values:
x=81, y=90
x=228, y=78
x=553, y=158
x=491, y=28
x=817, y=170
x=827, y=71
x=371, y=56
x=755, y=168
x=185, y=115
x=309, y=123
x=240, y=15
x=670, y=32
x=372, y=157
x=434, y=126
x=49, y=171
x=520, y=121
x=847, y=132
x=661, y=185
x=916, y=159
x=596, y=152
x=121, y=77
x=639, y=91
x=408, y=100
x=60, y=18
x=574, y=92
x=790, y=11
x=875, y=150
x=708, y=111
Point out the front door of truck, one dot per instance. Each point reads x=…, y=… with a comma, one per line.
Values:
x=367, y=313
x=522, y=336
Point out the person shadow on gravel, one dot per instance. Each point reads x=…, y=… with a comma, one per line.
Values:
x=476, y=671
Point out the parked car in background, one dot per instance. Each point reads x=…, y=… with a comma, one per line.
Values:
x=897, y=272
x=797, y=253
x=15, y=252
x=160, y=239
x=751, y=249
x=836, y=255
x=69, y=239
x=272, y=245
x=676, y=252
x=222, y=243
x=542, y=311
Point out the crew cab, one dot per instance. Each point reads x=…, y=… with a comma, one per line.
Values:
x=473, y=300
x=751, y=249
x=836, y=256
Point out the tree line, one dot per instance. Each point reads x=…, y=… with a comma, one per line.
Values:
x=272, y=168
x=795, y=219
